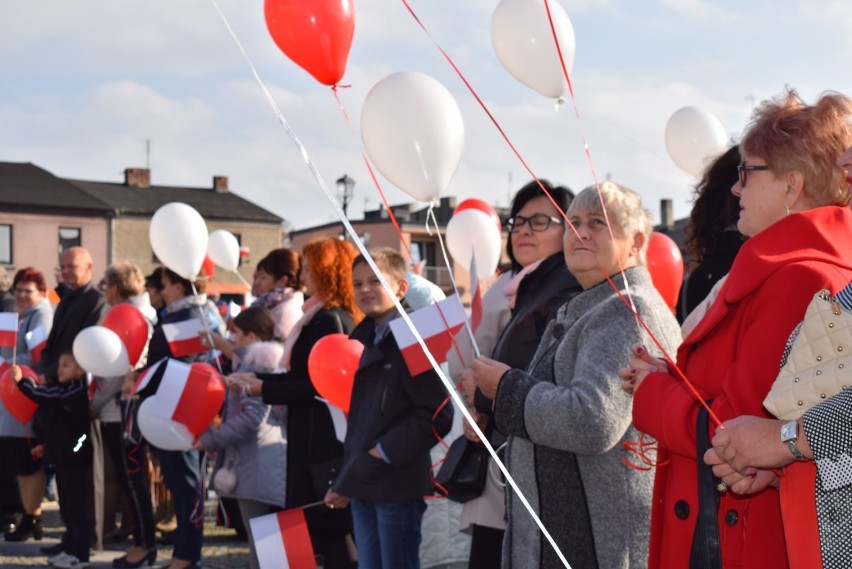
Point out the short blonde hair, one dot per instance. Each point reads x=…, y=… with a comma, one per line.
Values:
x=623, y=209
x=127, y=277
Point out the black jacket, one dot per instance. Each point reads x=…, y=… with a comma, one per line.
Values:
x=79, y=309
x=395, y=410
x=310, y=431
x=540, y=295
x=64, y=412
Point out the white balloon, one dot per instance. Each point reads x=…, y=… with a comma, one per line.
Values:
x=413, y=132
x=163, y=433
x=224, y=249
x=178, y=237
x=523, y=41
x=101, y=352
x=694, y=137
x=472, y=230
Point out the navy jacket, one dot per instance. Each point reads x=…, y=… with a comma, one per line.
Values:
x=64, y=411
x=395, y=410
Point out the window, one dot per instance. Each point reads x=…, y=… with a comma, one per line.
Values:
x=423, y=251
x=68, y=237
x=6, y=244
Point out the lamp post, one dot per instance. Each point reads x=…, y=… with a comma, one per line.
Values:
x=345, y=189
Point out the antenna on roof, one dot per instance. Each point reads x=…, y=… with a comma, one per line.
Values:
x=148, y=153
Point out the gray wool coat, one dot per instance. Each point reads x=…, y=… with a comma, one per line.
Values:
x=567, y=417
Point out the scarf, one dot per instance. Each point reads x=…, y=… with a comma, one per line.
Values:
x=186, y=302
x=511, y=290
x=309, y=309
x=273, y=297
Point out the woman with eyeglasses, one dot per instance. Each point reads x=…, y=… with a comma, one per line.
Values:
x=17, y=442
x=565, y=413
x=794, y=209
x=516, y=310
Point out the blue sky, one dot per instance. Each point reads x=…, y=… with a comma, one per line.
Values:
x=87, y=83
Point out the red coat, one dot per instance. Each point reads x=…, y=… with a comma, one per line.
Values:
x=733, y=357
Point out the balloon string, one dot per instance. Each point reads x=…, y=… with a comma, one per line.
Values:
x=206, y=326
x=476, y=353
x=629, y=303
x=384, y=199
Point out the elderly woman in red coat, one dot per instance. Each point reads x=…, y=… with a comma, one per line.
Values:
x=793, y=208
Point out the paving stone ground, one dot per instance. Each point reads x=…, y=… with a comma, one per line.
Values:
x=223, y=549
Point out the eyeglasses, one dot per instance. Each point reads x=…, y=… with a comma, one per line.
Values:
x=743, y=169
x=538, y=222
x=26, y=291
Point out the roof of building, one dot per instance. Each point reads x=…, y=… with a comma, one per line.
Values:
x=24, y=184
x=145, y=201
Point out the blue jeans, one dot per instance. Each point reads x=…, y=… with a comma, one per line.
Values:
x=182, y=473
x=387, y=534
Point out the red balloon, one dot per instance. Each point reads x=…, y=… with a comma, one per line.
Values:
x=315, y=34
x=665, y=263
x=208, y=267
x=202, y=398
x=332, y=364
x=484, y=207
x=17, y=404
x=131, y=326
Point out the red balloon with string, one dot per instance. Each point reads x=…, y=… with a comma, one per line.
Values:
x=16, y=403
x=132, y=328
x=332, y=364
x=665, y=263
x=315, y=34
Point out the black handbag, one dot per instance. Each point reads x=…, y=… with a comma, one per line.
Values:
x=463, y=472
x=706, y=551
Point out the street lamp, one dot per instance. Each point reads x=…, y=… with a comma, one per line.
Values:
x=345, y=189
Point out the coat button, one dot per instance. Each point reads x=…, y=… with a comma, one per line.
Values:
x=558, y=330
x=731, y=517
x=681, y=509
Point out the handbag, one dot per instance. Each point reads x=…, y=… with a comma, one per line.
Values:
x=225, y=479
x=706, y=551
x=817, y=361
x=463, y=472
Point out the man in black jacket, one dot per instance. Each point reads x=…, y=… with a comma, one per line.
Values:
x=82, y=307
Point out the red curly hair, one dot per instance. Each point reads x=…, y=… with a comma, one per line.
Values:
x=329, y=261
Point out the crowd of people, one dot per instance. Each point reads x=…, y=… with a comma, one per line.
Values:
x=635, y=431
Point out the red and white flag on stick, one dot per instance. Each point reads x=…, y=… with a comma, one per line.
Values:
x=475, y=295
x=182, y=389
x=437, y=324
x=36, y=341
x=281, y=540
x=184, y=337
x=8, y=329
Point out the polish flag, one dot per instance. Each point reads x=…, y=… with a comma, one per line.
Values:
x=36, y=341
x=437, y=324
x=476, y=295
x=184, y=337
x=8, y=329
x=179, y=394
x=145, y=378
x=281, y=540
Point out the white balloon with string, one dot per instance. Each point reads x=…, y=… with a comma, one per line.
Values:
x=523, y=41
x=413, y=132
x=161, y=432
x=472, y=230
x=100, y=351
x=224, y=249
x=179, y=238
x=694, y=137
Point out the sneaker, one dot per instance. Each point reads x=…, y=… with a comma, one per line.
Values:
x=69, y=562
x=60, y=558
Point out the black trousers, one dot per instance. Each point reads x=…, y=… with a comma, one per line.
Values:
x=76, y=486
x=131, y=468
x=486, y=547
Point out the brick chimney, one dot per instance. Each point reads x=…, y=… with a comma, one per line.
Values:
x=220, y=184
x=137, y=177
x=667, y=214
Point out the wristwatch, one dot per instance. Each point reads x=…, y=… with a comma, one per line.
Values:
x=789, y=434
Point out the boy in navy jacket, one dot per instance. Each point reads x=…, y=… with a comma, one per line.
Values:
x=386, y=464
x=67, y=446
